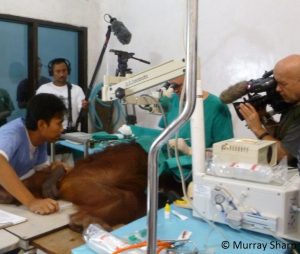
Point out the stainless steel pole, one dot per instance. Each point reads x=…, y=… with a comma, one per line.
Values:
x=52, y=152
x=191, y=61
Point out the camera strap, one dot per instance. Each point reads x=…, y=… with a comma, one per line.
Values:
x=70, y=118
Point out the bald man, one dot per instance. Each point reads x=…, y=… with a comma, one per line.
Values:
x=287, y=132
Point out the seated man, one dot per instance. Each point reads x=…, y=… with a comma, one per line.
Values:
x=23, y=149
x=287, y=132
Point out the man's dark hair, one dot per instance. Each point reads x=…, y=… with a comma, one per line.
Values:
x=43, y=106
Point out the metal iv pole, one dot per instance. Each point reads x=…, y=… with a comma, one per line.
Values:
x=191, y=69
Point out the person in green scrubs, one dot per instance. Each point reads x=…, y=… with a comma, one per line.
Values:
x=217, y=124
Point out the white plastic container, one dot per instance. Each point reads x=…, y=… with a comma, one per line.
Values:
x=103, y=242
x=247, y=171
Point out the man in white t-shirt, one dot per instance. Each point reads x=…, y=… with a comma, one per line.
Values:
x=59, y=69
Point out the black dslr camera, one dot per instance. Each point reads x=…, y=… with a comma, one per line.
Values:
x=267, y=85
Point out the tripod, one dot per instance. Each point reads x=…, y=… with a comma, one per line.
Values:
x=123, y=58
x=121, y=71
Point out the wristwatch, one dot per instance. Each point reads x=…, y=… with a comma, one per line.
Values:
x=263, y=135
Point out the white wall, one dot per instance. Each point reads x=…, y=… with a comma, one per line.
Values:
x=238, y=39
x=158, y=33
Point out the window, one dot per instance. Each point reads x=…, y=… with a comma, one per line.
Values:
x=26, y=47
x=13, y=67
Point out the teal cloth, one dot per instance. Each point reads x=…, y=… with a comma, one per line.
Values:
x=185, y=160
x=145, y=137
x=169, y=165
x=103, y=139
x=103, y=135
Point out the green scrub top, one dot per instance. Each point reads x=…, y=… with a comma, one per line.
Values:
x=217, y=119
x=217, y=124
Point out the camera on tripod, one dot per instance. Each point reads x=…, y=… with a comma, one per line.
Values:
x=266, y=84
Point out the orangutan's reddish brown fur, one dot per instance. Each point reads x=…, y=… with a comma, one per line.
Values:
x=108, y=187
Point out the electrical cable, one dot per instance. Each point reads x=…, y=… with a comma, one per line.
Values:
x=183, y=185
x=119, y=111
x=94, y=99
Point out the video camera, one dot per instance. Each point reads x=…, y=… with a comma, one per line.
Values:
x=266, y=84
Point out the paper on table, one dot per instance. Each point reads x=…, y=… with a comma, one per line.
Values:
x=63, y=204
x=8, y=219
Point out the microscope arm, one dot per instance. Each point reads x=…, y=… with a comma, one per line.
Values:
x=142, y=81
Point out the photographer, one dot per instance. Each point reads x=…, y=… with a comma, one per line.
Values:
x=72, y=95
x=287, y=131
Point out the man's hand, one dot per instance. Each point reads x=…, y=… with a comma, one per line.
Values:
x=181, y=146
x=59, y=164
x=252, y=118
x=43, y=206
x=168, y=92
